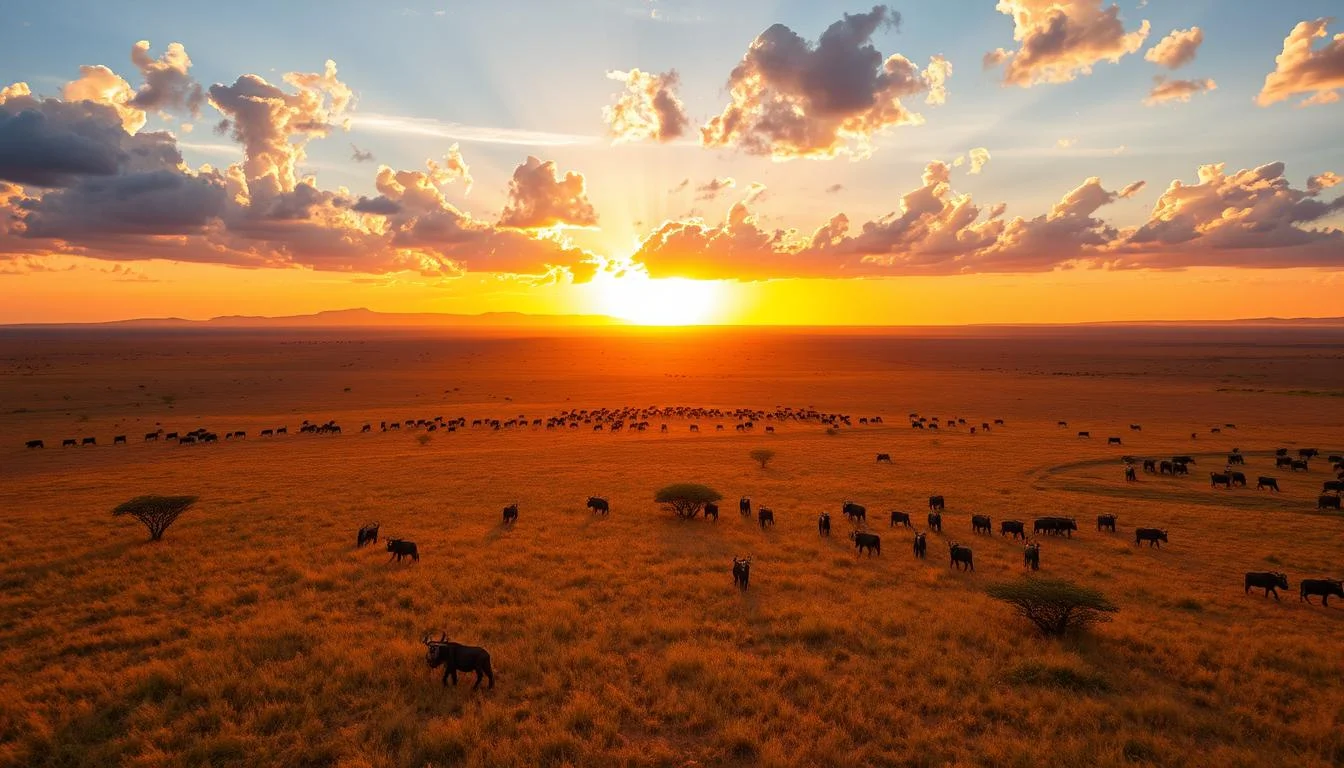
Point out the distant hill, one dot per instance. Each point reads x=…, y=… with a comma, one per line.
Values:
x=353, y=318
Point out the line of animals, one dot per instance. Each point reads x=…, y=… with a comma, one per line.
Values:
x=1230, y=478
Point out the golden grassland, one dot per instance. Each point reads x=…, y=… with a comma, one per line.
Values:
x=256, y=634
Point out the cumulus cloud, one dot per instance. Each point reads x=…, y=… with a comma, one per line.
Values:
x=1058, y=40
x=1165, y=90
x=979, y=158
x=100, y=85
x=711, y=189
x=736, y=249
x=1132, y=189
x=648, y=109
x=539, y=197
x=168, y=83
x=1321, y=182
x=790, y=98
x=360, y=155
x=454, y=167
x=1176, y=49
x=1300, y=69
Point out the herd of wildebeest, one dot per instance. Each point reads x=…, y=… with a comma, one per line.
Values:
x=454, y=657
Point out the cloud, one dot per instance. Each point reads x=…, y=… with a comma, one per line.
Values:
x=1058, y=40
x=1176, y=49
x=454, y=167
x=711, y=189
x=684, y=184
x=1132, y=189
x=51, y=143
x=1321, y=182
x=1065, y=143
x=648, y=109
x=1301, y=70
x=979, y=159
x=834, y=188
x=360, y=155
x=791, y=99
x=422, y=126
x=168, y=83
x=539, y=197
x=1165, y=90
x=737, y=249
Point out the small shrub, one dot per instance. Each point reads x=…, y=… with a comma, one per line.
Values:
x=762, y=456
x=1055, y=606
x=686, y=499
x=423, y=439
x=156, y=512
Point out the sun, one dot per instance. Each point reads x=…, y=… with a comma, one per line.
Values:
x=669, y=301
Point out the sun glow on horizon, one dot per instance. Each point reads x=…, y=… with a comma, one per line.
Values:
x=667, y=301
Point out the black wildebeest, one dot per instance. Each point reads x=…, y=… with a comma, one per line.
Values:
x=267, y=433
x=600, y=505
x=1055, y=525
x=1180, y=468
x=368, y=534
x=1167, y=468
x=1283, y=461
x=1270, y=581
x=1031, y=556
x=1113, y=441
x=1280, y=451
x=980, y=523
x=741, y=572
x=402, y=548
x=1135, y=428
x=1238, y=478
x=1084, y=434
x=961, y=557
x=1263, y=482
x=1130, y=476
x=1235, y=458
x=824, y=524
x=89, y=441
x=35, y=444
x=936, y=503
x=921, y=545
x=1324, y=588
x=69, y=442
x=1183, y=460
x=1154, y=536
x=1299, y=465
x=1063, y=423
x=712, y=510
x=1106, y=521
x=766, y=516
x=936, y=521
x=857, y=513
x=1327, y=502
x=455, y=657
x=900, y=518
x=119, y=440
x=511, y=514
x=744, y=505
x=884, y=457
x=1150, y=466
x=1335, y=458
x=1014, y=527
x=153, y=436
x=1308, y=453
x=1335, y=486
x=866, y=541
x=1219, y=478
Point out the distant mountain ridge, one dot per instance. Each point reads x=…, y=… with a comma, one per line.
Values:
x=351, y=318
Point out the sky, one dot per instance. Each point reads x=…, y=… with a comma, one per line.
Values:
x=674, y=161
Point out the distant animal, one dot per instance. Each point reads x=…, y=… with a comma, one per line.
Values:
x=741, y=572
x=1283, y=461
x=1263, y=482
x=1130, y=476
x=1235, y=458
x=936, y=521
x=1280, y=451
x=695, y=427
x=267, y=433
x=401, y=548
x=1183, y=460
x=1323, y=588
x=1150, y=466
x=170, y=436
x=69, y=442
x=866, y=541
x=119, y=440
x=855, y=512
x=1106, y=521
x=1180, y=468
x=1135, y=428
x=511, y=514
x=765, y=516
x=1297, y=465
x=900, y=518
x=998, y=422
x=600, y=505
x=1270, y=581
x=1153, y=536
x=1308, y=453
x=936, y=503
x=1336, y=486
x=884, y=457
x=824, y=524
x=712, y=510
x=921, y=545
x=1327, y=502
x=1218, y=478
x=980, y=523
x=1167, y=468
x=1084, y=434
x=152, y=435
x=961, y=557
x=35, y=444
x=187, y=440
x=368, y=534
x=769, y=430
x=1063, y=423
x=1335, y=458
x=1055, y=525
x=1113, y=441
x=1238, y=478
x=744, y=505
x=89, y=441
x=455, y=657
x=1014, y=527
x=1031, y=556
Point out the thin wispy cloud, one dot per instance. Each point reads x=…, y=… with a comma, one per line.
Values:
x=426, y=126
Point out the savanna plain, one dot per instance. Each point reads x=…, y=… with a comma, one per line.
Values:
x=256, y=633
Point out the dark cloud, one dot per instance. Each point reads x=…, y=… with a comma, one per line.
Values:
x=1058, y=40
x=50, y=143
x=168, y=83
x=539, y=197
x=712, y=188
x=360, y=155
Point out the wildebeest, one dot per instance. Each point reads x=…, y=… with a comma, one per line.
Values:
x=824, y=524
x=1235, y=458
x=152, y=436
x=1327, y=502
x=35, y=444
x=187, y=440
x=1335, y=458
x=712, y=510
x=1113, y=441
x=1167, y=468
x=1031, y=556
x=866, y=541
x=1014, y=527
x=89, y=441
x=368, y=534
x=744, y=505
x=1106, y=521
x=765, y=516
x=1263, y=482
x=1270, y=581
x=1324, y=588
x=884, y=457
x=1336, y=486
x=69, y=442
x=455, y=657
x=900, y=518
x=511, y=514
x=936, y=503
x=1180, y=468
x=1308, y=453
x=600, y=505
x=961, y=557
x=1183, y=460
x=980, y=523
x=1154, y=536
x=267, y=432
x=1219, y=478
x=921, y=545
x=1150, y=465
x=1130, y=476
x=1283, y=461
x=1084, y=434
x=1055, y=525
x=936, y=521
x=1299, y=465
x=119, y=440
x=741, y=572
x=402, y=548
x=1135, y=428
x=1063, y=423
x=855, y=512
x=1280, y=451
x=1238, y=478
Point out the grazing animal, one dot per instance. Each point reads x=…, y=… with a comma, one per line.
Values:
x=824, y=524
x=1280, y=451
x=961, y=557
x=1327, y=502
x=884, y=457
x=1270, y=581
x=1263, y=482
x=980, y=523
x=152, y=435
x=1130, y=476
x=35, y=444
x=1084, y=434
x=1235, y=458
x=1183, y=460
x=600, y=505
x=1218, y=478
x=1135, y=428
x=69, y=442
x=712, y=510
x=1308, y=453
x=1014, y=527
x=1153, y=536
x=1113, y=441
x=855, y=512
x=511, y=514
x=1335, y=458
x=866, y=541
x=765, y=516
x=89, y=441
x=1283, y=461
x=936, y=503
x=921, y=545
x=455, y=657
x=1055, y=525
x=1238, y=478
x=1150, y=466
x=1337, y=486
x=936, y=521
x=744, y=505
x=901, y=518
x=1180, y=468
x=1324, y=588
x=1296, y=465
x=119, y=440
x=368, y=534
x=1063, y=423
x=1106, y=521
x=741, y=572
x=1031, y=556
x=188, y=440
x=1167, y=468
x=267, y=433
x=402, y=548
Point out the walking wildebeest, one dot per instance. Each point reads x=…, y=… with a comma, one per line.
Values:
x=824, y=524
x=1063, y=423
x=1153, y=536
x=600, y=505
x=1324, y=588
x=1031, y=556
x=901, y=518
x=869, y=541
x=1135, y=428
x=1335, y=458
x=511, y=514
x=1263, y=482
x=69, y=442
x=1218, y=478
x=119, y=440
x=936, y=521
x=961, y=557
x=89, y=441
x=1337, y=486
x=1270, y=581
x=936, y=503
x=857, y=513
x=712, y=510
x=1283, y=461
x=1183, y=460
x=921, y=545
x=1113, y=441
x=1280, y=451
x=35, y=444
x=154, y=436
x=1150, y=466
x=1235, y=458
x=1055, y=525
x=1014, y=527
x=1106, y=521
x=1084, y=434
x=766, y=516
x=884, y=457
x=1167, y=468
x=1238, y=478
x=1299, y=465
x=980, y=523
x=368, y=534
x=1308, y=453
x=1327, y=502
x=744, y=505
x=741, y=572
x=1180, y=468
x=401, y=548
x=455, y=657
x=1130, y=476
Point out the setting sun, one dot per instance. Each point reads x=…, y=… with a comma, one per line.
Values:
x=671, y=301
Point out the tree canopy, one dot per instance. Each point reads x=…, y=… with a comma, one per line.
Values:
x=686, y=499
x=156, y=512
x=1054, y=605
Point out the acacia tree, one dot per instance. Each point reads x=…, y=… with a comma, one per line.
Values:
x=686, y=499
x=156, y=512
x=762, y=456
x=1054, y=605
